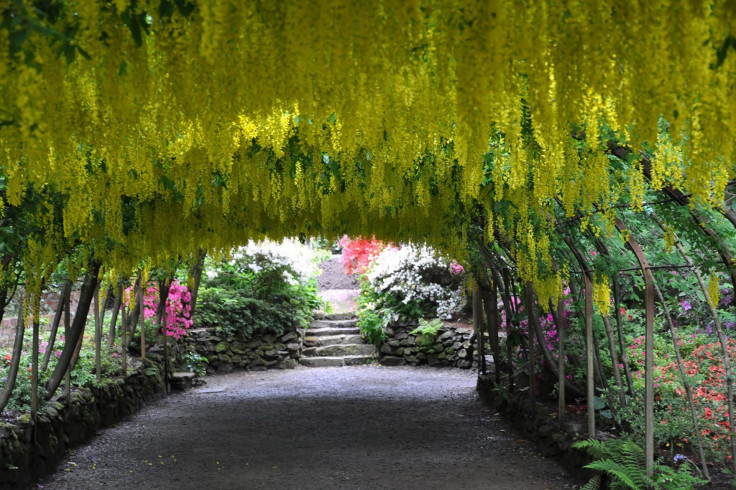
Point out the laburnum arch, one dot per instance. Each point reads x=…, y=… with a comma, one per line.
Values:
x=151, y=129
x=140, y=131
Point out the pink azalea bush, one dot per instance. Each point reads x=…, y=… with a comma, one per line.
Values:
x=178, y=312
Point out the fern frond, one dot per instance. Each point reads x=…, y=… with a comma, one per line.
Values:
x=625, y=474
x=593, y=484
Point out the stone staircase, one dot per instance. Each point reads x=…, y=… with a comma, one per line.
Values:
x=333, y=341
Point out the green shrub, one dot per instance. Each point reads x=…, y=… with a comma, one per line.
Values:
x=263, y=288
x=234, y=312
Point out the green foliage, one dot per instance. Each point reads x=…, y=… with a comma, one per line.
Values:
x=427, y=332
x=622, y=462
x=195, y=363
x=235, y=312
x=371, y=326
x=259, y=290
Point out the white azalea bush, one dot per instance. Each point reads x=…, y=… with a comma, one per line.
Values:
x=264, y=286
x=409, y=283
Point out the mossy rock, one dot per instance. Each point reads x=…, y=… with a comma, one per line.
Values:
x=221, y=347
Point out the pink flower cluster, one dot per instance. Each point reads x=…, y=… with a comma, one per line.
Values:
x=178, y=308
x=358, y=254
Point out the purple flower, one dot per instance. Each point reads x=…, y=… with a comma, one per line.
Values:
x=679, y=458
x=709, y=329
x=686, y=305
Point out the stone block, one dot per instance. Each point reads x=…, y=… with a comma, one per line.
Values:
x=392, y=361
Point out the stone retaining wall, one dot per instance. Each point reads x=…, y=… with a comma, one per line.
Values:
x=452, y=346
x=61, y=426
x=261, y=351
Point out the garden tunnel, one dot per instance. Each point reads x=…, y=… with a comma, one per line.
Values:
x=547, y=146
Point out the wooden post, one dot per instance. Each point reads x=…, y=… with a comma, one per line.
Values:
x=561, y=332
x=508, y=298
x=34, y=363
x=490, y=305
x=589, y=346
x=141, y=320
x=124, y=341
x=532, y=357
x=648, y=347
x=493, y=322
x=478, y=326
x=98, y=335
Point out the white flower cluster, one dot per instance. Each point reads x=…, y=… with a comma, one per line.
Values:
x=296, y=259
x=289, y=253
x=403, y=272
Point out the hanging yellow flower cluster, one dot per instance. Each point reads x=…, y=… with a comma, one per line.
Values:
x=171, y=126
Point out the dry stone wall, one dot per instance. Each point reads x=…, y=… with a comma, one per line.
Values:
x=452, y=346
x=26, y=453
x=258, y=352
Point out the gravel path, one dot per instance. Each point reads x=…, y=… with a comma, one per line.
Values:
x=366, y=427
x=333, y=275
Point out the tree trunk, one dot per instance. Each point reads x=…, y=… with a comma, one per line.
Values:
x=15, y=360
x=80, y=319
x=115, y=312
x=67, y=329
x=163, y=289
x=66, y=290
x=549, y=361
x=196, y=273
x=490, y=302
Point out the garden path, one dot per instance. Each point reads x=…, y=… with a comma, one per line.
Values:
x=356, y=427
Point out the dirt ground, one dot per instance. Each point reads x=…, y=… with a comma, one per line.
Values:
x=366, y=427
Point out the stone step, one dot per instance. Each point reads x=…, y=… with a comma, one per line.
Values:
x=358, y=360
x=330, y=331
x=182, y=381
x=336, y=361
x=347, y=315
x=322, y=361
x=340, y=350
x=332, y=340
x=333, y=324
